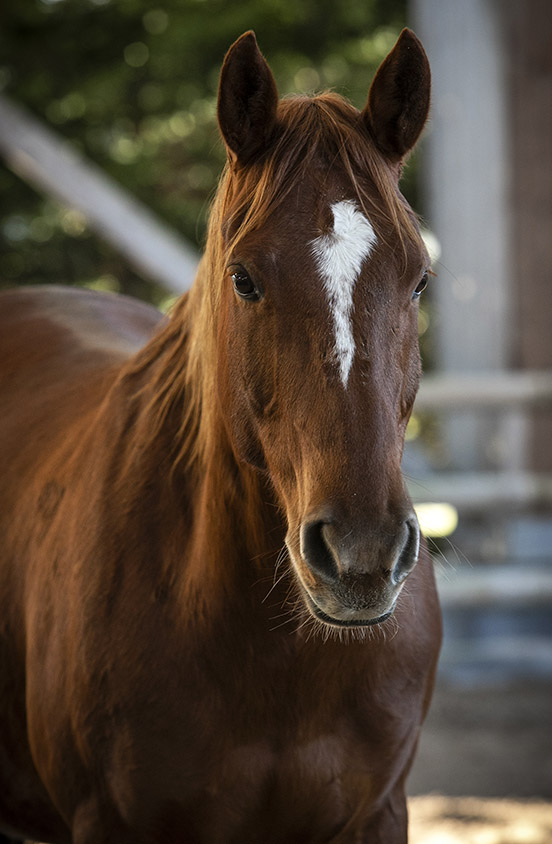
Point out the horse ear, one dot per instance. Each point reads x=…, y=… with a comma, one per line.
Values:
x=398, y=101
x=247, y=99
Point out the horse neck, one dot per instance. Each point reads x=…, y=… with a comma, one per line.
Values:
x=216, y=518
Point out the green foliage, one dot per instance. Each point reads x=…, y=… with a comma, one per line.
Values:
x=133, y=85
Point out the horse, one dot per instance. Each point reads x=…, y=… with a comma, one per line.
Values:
x=218, y=620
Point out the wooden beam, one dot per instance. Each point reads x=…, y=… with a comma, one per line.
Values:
x=52, y=166
x=503, y=585
x=480, y=492
x=485, y=390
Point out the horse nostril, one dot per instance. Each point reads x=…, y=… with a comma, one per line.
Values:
x=408, y=556
x=316, y=552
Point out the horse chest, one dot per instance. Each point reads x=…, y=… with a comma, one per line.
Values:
x=310, y=787
x=317, y=764
x=242, y=762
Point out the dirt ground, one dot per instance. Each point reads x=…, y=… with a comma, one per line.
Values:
x=483, y=774
x=472, y=820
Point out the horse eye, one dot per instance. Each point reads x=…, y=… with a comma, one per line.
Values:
x=243, y=285
x=421, y=286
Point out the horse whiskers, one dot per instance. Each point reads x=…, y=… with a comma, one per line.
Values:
x=309, y=627
x=281, y=557
x=263, y=555
x=314, y=628
x=289, y=604
x=392, y=622
x=288, y=620
x=275, y=584
x=282, y=554
x=459, y=554
x=437, y=552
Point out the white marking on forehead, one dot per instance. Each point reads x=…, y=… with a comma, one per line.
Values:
x=339, y=256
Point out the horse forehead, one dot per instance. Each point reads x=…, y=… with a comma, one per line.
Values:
x=350, y=239
x=339, y=255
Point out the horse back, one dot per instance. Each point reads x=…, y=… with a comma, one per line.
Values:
x=64, y=330
x=60, y=350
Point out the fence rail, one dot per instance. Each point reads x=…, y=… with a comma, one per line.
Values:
x=51, y=165
x=473, y=492
x=519, y=389
x=504, y=392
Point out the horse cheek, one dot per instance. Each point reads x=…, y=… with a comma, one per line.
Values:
x=412, y=368
x=238, y=390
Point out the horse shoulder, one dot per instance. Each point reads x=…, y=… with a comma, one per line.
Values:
x=60, y=350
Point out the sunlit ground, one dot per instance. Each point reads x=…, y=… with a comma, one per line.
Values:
x=473, y=820
x=483, y=772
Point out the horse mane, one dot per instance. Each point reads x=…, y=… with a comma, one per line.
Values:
x=310, y=131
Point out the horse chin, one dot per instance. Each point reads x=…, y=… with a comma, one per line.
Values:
x=348, y=618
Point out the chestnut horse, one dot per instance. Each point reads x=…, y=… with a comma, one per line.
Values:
x=218, y=623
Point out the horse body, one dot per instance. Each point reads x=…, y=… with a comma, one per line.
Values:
x=59, y=359
x=151, y=688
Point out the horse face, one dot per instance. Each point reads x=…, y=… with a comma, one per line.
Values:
x=319, y=362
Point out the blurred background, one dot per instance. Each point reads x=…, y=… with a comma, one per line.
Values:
x=109, y=155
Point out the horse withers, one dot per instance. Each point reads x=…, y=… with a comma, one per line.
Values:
x=218, y=620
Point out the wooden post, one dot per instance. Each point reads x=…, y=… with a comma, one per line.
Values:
x=528, y=63
x=466, y=173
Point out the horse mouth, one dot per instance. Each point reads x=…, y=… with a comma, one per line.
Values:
x=357, y=621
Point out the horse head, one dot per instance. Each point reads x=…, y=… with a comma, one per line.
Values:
x=320, y=266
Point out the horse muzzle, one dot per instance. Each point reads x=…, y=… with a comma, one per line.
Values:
x=353, y=578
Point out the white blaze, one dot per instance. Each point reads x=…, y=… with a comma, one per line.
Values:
x=339, y=256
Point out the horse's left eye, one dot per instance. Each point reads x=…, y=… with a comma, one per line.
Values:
x=421, y=286
x=243, y=285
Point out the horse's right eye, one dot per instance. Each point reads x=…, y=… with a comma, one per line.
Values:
x=244, y=286
x=421, y=286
